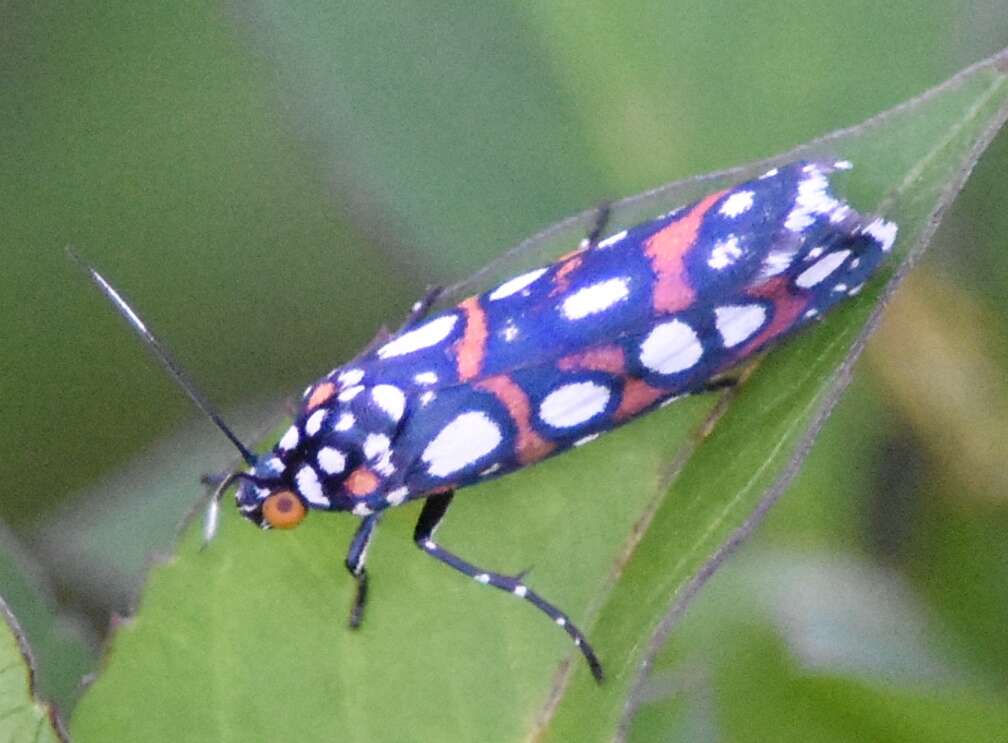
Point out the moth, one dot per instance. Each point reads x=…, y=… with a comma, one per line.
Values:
x=551, y=359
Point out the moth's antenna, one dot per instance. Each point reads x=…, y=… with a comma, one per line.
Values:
x=162, y=354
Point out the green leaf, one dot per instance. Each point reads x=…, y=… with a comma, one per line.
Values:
x=798, y=646
x=247, y=640
x=22, y=718
x=63, y=646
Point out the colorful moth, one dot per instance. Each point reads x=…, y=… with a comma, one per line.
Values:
x=554, y=357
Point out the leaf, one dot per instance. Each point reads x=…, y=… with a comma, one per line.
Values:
x=22, y=718
x=61, y=642
x=801, y=646
x=247, y=640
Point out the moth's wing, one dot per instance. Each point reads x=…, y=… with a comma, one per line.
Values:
x=694, y=256
x=680, y=299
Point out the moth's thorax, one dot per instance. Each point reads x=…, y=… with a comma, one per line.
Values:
x=338, y=449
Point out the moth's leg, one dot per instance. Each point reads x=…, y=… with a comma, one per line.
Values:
x=602, y=214
x=434, y=508
x=356, y=555
x=220, y=484
x=421, y=307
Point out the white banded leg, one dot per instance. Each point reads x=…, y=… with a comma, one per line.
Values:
x=434, y=509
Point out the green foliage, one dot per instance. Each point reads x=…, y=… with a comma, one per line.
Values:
x=21, y=717
x=64, y=649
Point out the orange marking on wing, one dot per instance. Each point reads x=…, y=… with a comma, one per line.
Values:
x=530, y=446
x=320, y=395
x=787, y=307
x=666, y=250
x=470, y=349
x=362, y=481
x=637, y=395
x=603, y=358
x=561, y=279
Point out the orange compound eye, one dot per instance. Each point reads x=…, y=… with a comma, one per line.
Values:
x=283, y=510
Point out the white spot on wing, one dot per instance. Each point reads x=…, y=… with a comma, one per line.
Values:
x=314, y=422
x=776, y=262
x=573, y=404
x=427, y=335
x=515, y=285
x=384, y=464
x=309, y=486
x=427, y=377
x=769, y=174
x=738, y=203
x=290, y=439
x=725, y=253
x=586, y=439
x=350, y=377
x=375, y=445
x=466, y=439
x=884, y=232
x=812, y=198
x=821, y=269
x=671, y=347
x=390, y=399
x=840, y=214
x=332, y=461
x=345, y=422
x=595, y=298
x=737, y=323
x=350, y=393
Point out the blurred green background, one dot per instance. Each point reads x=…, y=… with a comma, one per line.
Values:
x=270, y=182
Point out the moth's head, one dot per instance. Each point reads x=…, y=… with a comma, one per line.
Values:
x=267, y=498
